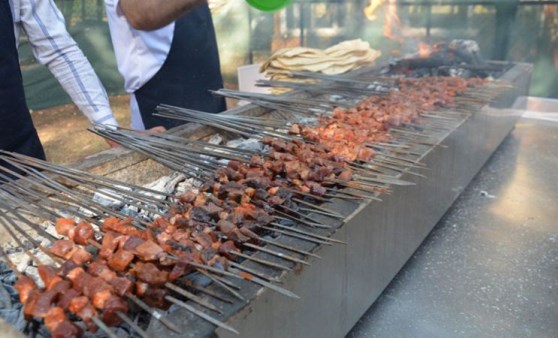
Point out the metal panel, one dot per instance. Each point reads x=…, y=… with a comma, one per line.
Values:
x=381, y=236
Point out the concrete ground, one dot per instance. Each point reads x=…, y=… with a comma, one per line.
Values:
x=490, y=267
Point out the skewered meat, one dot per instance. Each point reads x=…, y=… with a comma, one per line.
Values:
x=66, y=297
x=100, y=269
x=64, y=225
x=67, y=329
x=149, y=273
x=109, y=245
x=110, y=310
x=120, y=260
x=43, y=303
x=54, y=317
x=83, y=232
x=149, y=251
x=121, y=285
x=63, y=248
x=48, y=274
x=24, y=286
x=123, y=227
x=81, y=256
x=81, y=307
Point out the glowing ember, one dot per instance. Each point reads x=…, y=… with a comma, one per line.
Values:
x=424, y=50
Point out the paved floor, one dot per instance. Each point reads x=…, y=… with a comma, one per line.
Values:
x=490, y=267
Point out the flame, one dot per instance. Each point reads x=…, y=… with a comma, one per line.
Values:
x=391, y=18
x=370, y=10
x=392, y=23
x=424, y=50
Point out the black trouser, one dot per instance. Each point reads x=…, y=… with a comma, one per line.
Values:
x=189, y=72
x=17, y=133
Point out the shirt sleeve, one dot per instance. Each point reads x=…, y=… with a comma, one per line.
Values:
x=53, y=47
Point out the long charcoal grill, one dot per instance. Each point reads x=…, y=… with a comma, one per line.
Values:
x=380, y=236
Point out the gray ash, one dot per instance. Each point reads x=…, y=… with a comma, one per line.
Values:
x=458, y=58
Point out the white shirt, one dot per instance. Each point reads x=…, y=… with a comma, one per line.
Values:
x=53, y=47
x=139, y=54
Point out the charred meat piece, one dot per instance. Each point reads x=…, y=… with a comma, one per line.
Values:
x=227, y=247
x=121, y=285
x=149, y=273
x=66, y=267
x=61, y=286
x=67, y=329
x=200, y=214
x=43, y=303
x=112, y=307
x=155, y=297
x=66, y=297
x=203, y=239
x=225, y=226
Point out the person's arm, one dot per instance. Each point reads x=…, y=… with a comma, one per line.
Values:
x=154, y=14
x=53, y=47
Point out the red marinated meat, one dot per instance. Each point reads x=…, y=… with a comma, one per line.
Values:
x=123, y=227
x=29, y=306
x=132, y=242
x=66, y=267
x=64, y=225
x=81, y=256
x=61, y=286
x=120, y=260
x=43, y=303
x=149, y=251
x=54, y=317
x=81, y=307
x=100, y=269
x=345, y=175
x=150, y=274
x=110, y=242
x=83, y=232
x=112, y=307
x=80, y=279
x=141, y=288
x=67, y=329
x=121, y=285
x=63, y=248
x=49, y=275
x=66, y=297
x=24, y=285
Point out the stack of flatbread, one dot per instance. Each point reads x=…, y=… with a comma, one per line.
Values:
x=338, y=59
